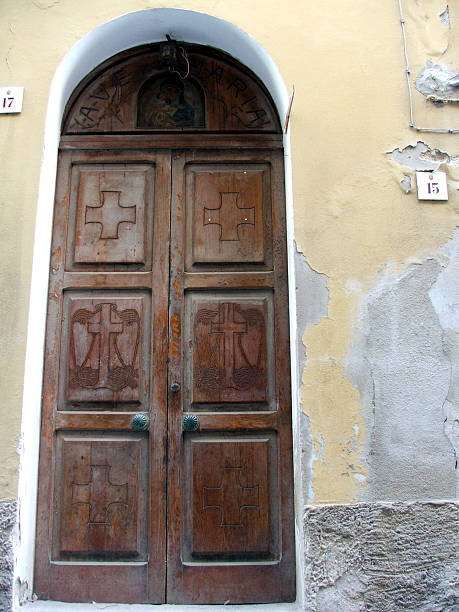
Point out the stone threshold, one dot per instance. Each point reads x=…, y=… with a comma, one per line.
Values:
x=56, y=606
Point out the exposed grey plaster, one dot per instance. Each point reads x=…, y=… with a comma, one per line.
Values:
x=420, y=157
x=311, y=301
x=312, y=305
x=306, y=451
x=7, y=523
x=406, y=183
x=402, y=367
x=444, y=18
x=434, y=80
x=381, y=557
x=444, y=295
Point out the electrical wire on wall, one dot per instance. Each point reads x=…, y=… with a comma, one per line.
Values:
x=408, y=81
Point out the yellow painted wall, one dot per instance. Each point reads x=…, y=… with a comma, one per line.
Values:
x=352, y=217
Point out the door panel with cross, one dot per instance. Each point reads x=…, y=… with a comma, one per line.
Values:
x=168, y=272
x=112, y=221
x=230, y=535
x=102, y=497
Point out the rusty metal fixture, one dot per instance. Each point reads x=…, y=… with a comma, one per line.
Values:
x=175, y=387
x=171, y=55
x=168, y=52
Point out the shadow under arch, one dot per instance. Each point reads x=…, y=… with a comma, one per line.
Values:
x=105, y=41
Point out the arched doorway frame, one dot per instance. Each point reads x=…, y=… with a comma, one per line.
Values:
x=130, y=30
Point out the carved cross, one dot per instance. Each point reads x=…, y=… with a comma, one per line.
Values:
x=229, y=216
x=110, y=214
x=104, y=328
x=99, y=494
x=228, y=327
x=230, y=497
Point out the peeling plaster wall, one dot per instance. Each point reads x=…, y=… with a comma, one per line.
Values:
x=401, y=363
x=431, y=27
x=312, y=305
x=361, y=221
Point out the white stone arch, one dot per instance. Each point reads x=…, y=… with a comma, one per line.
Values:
x=105, y=41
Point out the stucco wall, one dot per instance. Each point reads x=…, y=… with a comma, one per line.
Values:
x=376, y=272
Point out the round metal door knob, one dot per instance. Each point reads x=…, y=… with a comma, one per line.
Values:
x=175, y=387
x=190, y=422
x=140, y=422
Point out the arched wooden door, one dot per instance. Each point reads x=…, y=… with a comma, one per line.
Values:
x=166, y=446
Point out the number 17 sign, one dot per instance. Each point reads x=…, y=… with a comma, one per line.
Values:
x=11, y=99
x=432, y=185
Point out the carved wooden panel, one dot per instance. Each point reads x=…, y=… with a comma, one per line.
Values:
x=231, y=505
x=230, y=359
x=106, y=347
x=221, y=495
x=227, y=209
x=110, y=206
x=134, y=91
x=101, y=490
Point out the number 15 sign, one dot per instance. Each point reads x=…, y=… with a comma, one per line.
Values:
x=11, y=99
x=432, y=185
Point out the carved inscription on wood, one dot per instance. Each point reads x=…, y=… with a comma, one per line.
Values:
x=110, y=215
x=227, y=213
x=217, y=95
x=104, y=103
x=100, y=496
x=230, y=498
x=229, y=355
x=105, y=339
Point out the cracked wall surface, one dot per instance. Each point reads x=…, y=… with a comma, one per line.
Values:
x=421, y=157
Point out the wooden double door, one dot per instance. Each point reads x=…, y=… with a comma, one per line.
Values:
x=166, y=459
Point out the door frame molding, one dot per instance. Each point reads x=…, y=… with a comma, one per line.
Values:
x=103, y=42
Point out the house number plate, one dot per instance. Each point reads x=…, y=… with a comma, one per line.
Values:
x=11, y=99
x=432, y=185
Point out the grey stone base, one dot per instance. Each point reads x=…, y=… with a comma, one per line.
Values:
x=7, y=522
x=382, y=557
